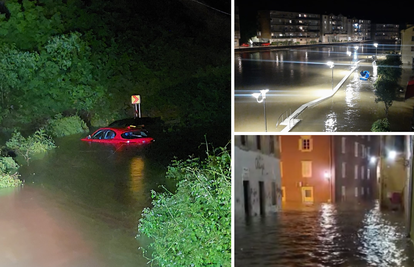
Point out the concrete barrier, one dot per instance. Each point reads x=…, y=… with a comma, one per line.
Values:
x=292, y=120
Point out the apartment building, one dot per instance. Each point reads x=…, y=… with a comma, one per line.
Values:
x=334, y=28
x=279, y=26
x=407, y=46
x=257, y=175
x=355, y=167
x=276, y=26
x=316, y=169
x=386, y=33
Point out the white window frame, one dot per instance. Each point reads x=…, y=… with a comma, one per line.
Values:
x=356, y=149
x=356, y=172
x=356, y=191
x=362, y=172
x=307, y=169
x=368, y=173
x=343, y=145
x=343, y=169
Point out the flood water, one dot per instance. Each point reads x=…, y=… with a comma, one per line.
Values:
x=296, y=76
x=324, y=235
x=79, y=206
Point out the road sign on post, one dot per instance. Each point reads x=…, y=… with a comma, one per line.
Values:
x=136, y=100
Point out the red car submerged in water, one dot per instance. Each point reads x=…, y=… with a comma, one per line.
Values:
x=120, y=136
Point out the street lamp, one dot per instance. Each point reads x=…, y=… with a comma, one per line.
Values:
x=349, y=53
x=331, y=65
x=376, y=48
x=262, y=94
x=328, y=178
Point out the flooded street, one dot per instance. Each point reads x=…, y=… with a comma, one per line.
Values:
x=324, y=235
x=353, y=108
x=79, y=206
x=298, y=75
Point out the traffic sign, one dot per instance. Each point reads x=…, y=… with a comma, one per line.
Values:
x=136, y=99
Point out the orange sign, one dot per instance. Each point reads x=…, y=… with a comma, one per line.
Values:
x=135, y=99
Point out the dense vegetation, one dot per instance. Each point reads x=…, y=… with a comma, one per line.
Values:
x=88, y=57
x=192, y=227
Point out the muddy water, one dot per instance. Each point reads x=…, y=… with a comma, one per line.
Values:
x=325, y=235
x=80, y=206
x=297, y=76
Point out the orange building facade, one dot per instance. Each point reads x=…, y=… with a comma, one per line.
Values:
x=306, y=169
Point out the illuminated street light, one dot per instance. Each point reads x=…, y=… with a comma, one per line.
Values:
x=262, y=94
x=349, y=53
x=331, y=65
x=376, y=48
x=372, y=159
x=392, y=154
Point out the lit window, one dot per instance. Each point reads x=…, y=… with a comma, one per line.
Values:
x=356, y=191
x=343, y=145
x=368, y=173
x=343, y=190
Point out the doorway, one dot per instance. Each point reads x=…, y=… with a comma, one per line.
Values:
x=307, y=194
x=246, y=193
x=262, y=198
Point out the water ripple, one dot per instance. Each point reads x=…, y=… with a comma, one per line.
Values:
x=327, y=235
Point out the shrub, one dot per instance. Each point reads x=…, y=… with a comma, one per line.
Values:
x=381, y=125
x=26, y=147
x=7, y=165
x=7, y=179
x=63, y=126
x=193, y=226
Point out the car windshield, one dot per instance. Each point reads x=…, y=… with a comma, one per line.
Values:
x=134, y=135
x=104, y=134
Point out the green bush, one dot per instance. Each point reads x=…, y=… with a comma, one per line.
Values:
x=381, y=125
x=193, y=226
x=7, y=179
x=26, y=147
x=7, y=165
x=63, y=126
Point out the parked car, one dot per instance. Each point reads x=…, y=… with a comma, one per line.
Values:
x=113, y=135
x=265, y=44
x=245, y=45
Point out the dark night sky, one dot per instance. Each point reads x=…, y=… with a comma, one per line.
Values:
x=396, y=12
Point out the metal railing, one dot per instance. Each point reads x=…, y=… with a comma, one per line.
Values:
x=283, y=116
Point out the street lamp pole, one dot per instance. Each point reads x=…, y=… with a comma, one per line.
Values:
x=262, y=96
x=376, y=49
x=331, y=65
x=327, y=177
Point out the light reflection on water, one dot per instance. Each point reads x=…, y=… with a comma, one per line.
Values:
x=326, y=235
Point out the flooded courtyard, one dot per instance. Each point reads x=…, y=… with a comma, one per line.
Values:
x=324, y=235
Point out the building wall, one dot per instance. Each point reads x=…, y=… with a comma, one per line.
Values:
x=355, y=172
x=255, y=165
x=407, y=46
x=386, y=32
x=295, y=163
x=394, y=171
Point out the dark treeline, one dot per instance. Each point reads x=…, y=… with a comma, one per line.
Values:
x=88, y=57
